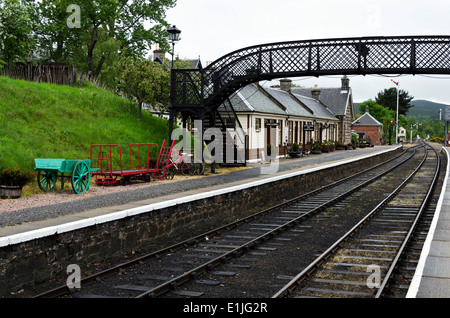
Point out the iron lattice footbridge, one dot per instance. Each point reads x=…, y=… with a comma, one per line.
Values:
x=210, y=87
x=199, y=93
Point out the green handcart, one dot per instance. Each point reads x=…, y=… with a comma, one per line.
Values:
x=78, y=171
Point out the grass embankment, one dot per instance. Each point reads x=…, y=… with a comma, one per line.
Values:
x=40, y=120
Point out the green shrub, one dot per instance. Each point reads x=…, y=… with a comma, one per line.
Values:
x=14, y=177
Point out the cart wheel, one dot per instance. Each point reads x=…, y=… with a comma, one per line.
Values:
x=46, y=180
x=81, y=177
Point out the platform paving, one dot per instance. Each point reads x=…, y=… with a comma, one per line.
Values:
x=93, y=208
x=432, y=277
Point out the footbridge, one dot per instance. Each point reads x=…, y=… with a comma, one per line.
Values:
x=210, y=87
x=199, y=93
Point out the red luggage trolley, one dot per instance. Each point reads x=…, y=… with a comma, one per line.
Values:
x=164, y=163
x=110, y=173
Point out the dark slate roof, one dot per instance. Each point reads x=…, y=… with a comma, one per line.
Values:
x=293, y=107
x=319, y=110
x=366, y=120
x=334, y=98
x=195, y=64
x=255, y=98
x=251, y=98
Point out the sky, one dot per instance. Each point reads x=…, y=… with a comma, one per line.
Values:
x=211, y=29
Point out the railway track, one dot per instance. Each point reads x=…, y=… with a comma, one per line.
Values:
x=228, y=261
x=363, y=261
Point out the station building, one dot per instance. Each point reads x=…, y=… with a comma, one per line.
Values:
x=282, y=115
x=369, y=128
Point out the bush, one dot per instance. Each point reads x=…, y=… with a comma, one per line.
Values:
x=354, y=139
x=16, y=177
x=437, y=139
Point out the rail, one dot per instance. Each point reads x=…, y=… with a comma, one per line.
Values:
x=292, y=286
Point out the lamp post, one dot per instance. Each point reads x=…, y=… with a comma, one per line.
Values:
x=174, y=36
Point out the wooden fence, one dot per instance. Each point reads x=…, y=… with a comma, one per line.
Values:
x=55, y=73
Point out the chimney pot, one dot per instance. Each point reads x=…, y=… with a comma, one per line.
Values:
x=285, y=85
x=315, y=92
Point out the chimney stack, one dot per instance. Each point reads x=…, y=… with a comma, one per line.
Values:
x=315, y=92
x=158, y=55
x=345, y=83
x=285, y=84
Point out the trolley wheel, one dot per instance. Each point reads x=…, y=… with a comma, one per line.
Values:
x=160, y=170
x=125, y=180
x=170, y=173
x=46, y=180
x=81, y=177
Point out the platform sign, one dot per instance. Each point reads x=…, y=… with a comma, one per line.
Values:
x=308, y=127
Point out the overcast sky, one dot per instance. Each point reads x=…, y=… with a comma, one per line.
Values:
x=213, y=28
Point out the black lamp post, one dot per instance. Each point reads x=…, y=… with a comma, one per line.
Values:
x=174, y=36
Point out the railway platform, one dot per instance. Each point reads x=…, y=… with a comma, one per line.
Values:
x=22, y=225
x=432, y=276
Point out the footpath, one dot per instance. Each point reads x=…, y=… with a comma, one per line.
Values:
x=30, y=219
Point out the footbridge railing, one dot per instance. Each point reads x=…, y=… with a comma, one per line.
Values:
x=209, y=87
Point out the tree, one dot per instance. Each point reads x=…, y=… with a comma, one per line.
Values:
x=56, y=41
x=146, y=81
x=384, y=115
x=388, y=98
x=106, y=27
x=376, y=110
x=17, y=40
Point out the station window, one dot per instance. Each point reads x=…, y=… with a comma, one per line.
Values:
x=258, y=124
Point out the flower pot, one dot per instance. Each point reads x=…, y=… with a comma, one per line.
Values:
x=11, y=192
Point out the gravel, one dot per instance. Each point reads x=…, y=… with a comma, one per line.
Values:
x=66, y=202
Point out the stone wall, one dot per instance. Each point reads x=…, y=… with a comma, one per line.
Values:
x=42, y=260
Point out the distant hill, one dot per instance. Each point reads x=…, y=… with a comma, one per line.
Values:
x=422, y=109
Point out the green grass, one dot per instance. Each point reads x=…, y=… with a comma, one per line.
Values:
x=40, y=120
